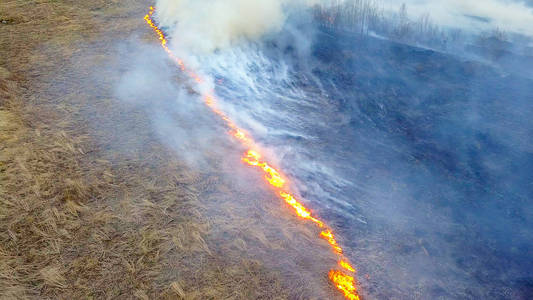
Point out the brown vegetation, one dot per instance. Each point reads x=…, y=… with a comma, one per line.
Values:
x=81, y=217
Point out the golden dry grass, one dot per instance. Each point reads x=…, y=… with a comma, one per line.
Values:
x=83, y=218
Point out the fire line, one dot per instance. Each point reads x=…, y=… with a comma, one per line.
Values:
x=340, y=277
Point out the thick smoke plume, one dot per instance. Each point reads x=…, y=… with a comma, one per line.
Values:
x=204, y=26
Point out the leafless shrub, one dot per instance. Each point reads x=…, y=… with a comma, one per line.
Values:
x=364, y=16
x=493, y=43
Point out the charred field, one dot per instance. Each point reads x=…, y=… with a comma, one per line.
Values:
x=440, y=149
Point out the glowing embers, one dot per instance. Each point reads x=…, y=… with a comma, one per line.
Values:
x=345, y=283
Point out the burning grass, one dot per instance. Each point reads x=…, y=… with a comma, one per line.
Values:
x=83, y=218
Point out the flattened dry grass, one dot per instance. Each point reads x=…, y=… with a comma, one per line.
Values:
x=80, y=218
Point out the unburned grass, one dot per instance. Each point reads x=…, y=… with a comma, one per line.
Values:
x=94, y=213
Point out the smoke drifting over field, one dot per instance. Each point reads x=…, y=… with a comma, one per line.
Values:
x=247, y=222
x=207, y=25
x=514, y=16
x=420, y=159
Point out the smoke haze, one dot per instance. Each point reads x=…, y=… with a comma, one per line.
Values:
x=419, y=159
x=514, y=16
x=203, y=26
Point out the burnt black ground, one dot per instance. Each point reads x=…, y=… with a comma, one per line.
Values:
x=461, y=136
x=423, y=161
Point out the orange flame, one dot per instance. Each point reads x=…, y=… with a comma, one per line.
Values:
x=254, y=159
x=346, y=265
x=328, y=236
x=345, y=283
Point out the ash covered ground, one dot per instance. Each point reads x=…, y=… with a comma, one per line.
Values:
x=420, y=159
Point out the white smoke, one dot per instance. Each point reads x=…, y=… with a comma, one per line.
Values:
x=207, y=25
x=513, y=16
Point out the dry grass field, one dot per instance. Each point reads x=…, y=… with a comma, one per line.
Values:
x=107, y=211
